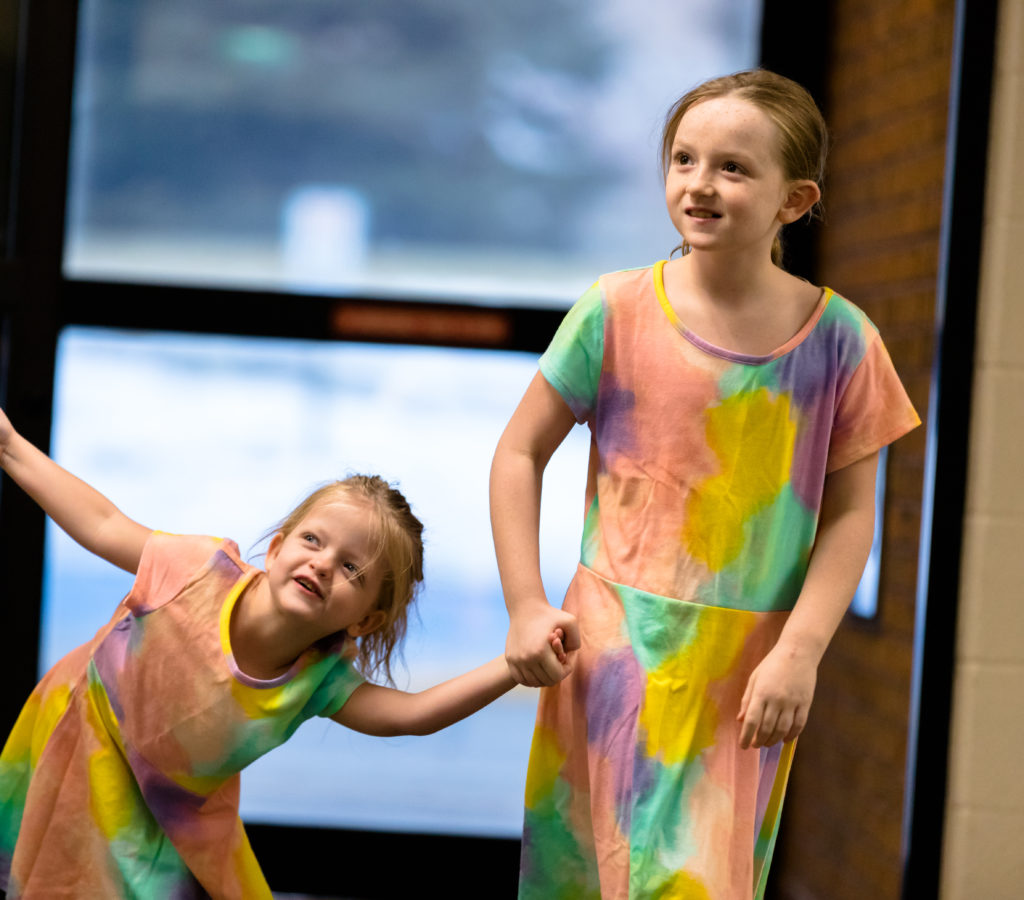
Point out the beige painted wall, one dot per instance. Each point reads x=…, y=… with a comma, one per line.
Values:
x=984, y=843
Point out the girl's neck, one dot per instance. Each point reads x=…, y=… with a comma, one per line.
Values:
x=751, y=309
x=264, y=646
x=730, y=279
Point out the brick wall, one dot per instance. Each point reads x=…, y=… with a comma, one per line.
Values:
x=886, y=97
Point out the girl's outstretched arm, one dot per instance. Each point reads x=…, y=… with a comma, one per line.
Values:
x=780, y=689
x=386, y=712
x=84, y=513
x=537, y=427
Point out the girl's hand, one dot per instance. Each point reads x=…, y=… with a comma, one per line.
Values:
x=532, y=656
x=557, y=641
x=778, y=698
x=781, y=688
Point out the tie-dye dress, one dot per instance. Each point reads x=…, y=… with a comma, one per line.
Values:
x=706, y=477
x=120, y=778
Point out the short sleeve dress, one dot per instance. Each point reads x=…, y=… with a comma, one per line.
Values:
x=121, y=776
x=706, y=478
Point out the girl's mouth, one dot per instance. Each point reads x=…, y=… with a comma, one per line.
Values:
x=703, y=214
x=308, y=585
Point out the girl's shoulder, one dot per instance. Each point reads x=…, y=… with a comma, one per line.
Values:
x=621, y=286
x=846, y=325
x=633, y=276
x=843, y=311
x=170, y=562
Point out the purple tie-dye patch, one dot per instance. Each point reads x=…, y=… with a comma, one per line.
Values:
x=615, y=428
x=769, y=762
x=109, y=660
x=173, y=806
x=614, y=694
x=814, y=375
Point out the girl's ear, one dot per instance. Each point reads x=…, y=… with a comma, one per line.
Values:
x=801, y=197
x=369, y=623
x=274, y=548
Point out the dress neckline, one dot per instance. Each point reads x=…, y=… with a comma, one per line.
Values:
x=247, y=577
x=734, y=355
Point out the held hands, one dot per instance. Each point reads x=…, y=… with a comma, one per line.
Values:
x=778, y=698
x=557, y=642
x=538, y=644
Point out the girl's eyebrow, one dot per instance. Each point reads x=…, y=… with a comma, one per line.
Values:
x=726, y=153
x=739, y=155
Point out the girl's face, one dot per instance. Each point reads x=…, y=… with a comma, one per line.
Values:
x=725, y=188
x=324, y=572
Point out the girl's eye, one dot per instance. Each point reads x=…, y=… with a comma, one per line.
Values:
x=732, y=167
x=309, y=538
x=683, y=159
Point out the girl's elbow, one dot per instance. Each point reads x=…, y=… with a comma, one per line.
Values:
x=408, y=724
x=390, y=731
x=381, y=729
x=423, y=727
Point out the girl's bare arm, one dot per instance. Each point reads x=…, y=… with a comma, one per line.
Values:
x=84, y=513
x=780, y=690
x=385, y=712
x=537, y=427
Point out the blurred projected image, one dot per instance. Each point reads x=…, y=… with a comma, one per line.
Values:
x=220, y=435
x=485, y=152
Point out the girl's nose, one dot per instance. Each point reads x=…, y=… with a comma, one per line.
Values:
x=701, y=183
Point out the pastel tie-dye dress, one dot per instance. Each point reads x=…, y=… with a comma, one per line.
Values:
x=120, y=778
x=706, y=477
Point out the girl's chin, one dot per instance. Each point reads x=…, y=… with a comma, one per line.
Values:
x=301, y=603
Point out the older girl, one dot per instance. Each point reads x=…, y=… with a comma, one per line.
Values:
x=736, y=415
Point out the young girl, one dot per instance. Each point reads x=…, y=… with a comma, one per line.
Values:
x=736, y=414
x=120, y=778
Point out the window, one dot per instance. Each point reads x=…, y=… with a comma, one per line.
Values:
x=419, y=148
x=225, y=436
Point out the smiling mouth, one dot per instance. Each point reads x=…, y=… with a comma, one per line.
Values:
x=309, y=585
x=703, y=214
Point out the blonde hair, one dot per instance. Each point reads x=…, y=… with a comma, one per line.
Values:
x=399, y=549
x=803, y=135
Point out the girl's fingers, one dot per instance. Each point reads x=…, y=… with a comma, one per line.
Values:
x=799, y=722
x=546, y=671
x=523, y=675
x=783, y=726
x=557, y=646
x=748, y=695
x=516, y=673
x=537, y=675
x=775, y=723
x=545, y=674
x=571, y=634
x=744, y=702
x=751, y=724
x=765, y=729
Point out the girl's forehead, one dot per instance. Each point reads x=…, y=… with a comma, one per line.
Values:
x=347, y=512
x=725, y=116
